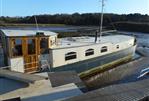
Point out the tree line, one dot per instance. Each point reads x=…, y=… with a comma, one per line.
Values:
x=87, y=19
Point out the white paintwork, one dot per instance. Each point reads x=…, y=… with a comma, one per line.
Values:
x=58, y=53
x=14, y=33
x=81, y=41
x=17, y=64
x=53, y=41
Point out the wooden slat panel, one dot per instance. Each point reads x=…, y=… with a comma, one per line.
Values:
x=31, y=61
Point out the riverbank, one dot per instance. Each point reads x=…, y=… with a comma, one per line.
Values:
x=132, y=26
x=21, y=25
x=121, y=26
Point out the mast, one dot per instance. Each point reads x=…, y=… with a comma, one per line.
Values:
x=37, y=27
x=101, y=22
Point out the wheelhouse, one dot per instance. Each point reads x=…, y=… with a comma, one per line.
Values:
x=23, y=49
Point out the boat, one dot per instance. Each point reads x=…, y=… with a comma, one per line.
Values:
x=144, y=72
x=30, y=51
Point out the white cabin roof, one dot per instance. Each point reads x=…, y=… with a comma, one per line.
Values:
x=14, y=33
x=81, y=41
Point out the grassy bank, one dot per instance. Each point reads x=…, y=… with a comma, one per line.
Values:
x=123, y=26
x=132, y=26
x=30, y=25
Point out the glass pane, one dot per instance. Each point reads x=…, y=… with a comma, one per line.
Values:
x=104, y=49
x=89, y=52
x=17, y=47
x=44, y=45
x=70, y=56
x=31, y=46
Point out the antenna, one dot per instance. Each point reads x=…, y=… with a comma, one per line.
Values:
x=101, y=23
x=37, y=27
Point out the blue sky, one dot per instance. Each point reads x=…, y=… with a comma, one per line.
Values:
x=31, y=7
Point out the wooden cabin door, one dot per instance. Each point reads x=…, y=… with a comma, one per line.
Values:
x=30, y=47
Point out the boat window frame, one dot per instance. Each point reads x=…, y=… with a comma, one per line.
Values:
x=89, y=52
x=70, y=56
x=35, y=45
x=117, y=46
x=104, y=49
x=44, y=50
x=11, y=46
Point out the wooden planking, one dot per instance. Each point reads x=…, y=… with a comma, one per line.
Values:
x=29, y=59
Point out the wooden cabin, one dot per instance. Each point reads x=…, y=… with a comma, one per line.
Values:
x=23, y=49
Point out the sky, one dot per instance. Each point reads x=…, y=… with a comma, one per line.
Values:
x=35, y=7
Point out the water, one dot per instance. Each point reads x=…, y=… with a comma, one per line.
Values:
x=52, y=28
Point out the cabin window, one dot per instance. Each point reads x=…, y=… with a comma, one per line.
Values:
x=70, y=56
x=43, y=45
x=104, y=49
x=31, y=46
x=117, y=46
x=89, y=52
x=16, y=47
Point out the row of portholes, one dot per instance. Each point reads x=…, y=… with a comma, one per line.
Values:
x=88, y=52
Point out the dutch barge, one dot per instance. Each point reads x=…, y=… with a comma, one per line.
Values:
x=30, y=51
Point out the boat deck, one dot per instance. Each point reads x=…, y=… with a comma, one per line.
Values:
x=83, y=41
